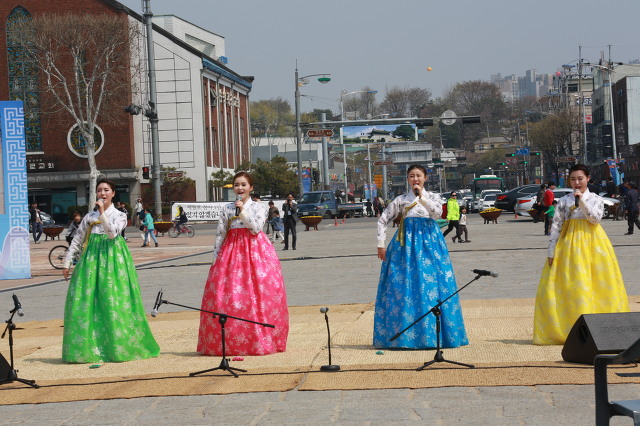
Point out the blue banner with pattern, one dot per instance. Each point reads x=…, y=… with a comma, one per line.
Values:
x=15, y=259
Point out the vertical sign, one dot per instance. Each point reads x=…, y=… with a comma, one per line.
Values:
x=15, y=259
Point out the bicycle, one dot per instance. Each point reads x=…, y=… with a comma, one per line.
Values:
x=184, y=230
x=57, y=256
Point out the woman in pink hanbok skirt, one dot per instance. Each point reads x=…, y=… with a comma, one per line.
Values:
x=244, y=281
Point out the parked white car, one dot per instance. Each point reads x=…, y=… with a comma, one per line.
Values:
x=477, y=204
x=524, y=204
x=488, y=201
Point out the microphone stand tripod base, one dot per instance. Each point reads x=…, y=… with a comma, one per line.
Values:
x=330, y=368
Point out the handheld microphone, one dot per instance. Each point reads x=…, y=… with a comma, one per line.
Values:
x=324, y=310
x=95, y=209
x=416, y=190
x=577, y=201
x=238, y=198
x=17, y=306
x=485, y=273
x=154, y=311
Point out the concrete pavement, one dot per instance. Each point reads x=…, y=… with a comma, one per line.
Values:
x=335, y=265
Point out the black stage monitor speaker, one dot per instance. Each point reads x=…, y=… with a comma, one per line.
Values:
x=594, y=334
x=5, y=369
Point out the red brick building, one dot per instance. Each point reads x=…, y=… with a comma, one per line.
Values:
x=203, y=112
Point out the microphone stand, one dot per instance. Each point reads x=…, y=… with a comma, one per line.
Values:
x=12, y=375
x=331, y=366
x=438, y=357
x=222, y=319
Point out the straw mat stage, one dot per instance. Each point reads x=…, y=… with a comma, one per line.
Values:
x=500, y=348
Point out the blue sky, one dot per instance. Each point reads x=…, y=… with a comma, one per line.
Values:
x=381, y=44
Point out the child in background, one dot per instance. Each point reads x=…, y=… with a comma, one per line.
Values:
x=462, y=227
x=73, y=227
x=278, y=226
x=551, y=211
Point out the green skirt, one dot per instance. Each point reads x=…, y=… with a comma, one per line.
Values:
x=104, y=319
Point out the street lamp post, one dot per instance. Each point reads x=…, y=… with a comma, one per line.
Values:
x=301, y=81
x=153, y=117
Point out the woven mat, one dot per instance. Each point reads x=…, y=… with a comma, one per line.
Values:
x=500, y=348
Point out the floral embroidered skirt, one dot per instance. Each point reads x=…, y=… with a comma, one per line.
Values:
x=246, y=282
x=413, y=279
x=584, y=279
x=104, y=318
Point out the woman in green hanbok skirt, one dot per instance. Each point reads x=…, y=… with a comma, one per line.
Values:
x=104, y=319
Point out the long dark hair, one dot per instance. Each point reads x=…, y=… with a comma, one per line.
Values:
x=417, y=166
x=108, y=182
x=582, y=167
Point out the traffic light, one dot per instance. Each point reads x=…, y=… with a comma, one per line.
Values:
x=502, y=164
x=535, y=153
x=133, y=109
x=424, y=122
x=470, y=120
x=523, y=162
x=145, y=173
x=510, y=155
x=151, y=112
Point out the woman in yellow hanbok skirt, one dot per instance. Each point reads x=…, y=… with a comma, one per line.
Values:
x=581, y=274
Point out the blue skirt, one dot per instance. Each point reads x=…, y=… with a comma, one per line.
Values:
x=413, y=279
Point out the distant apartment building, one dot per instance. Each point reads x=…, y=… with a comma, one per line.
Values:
x=532, y=84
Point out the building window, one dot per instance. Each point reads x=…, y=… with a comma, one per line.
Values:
x=23, y=80
x=78, y=145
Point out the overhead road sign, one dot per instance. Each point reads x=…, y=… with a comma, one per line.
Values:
x=565, y=159
x=319, y=133
x=383, y=163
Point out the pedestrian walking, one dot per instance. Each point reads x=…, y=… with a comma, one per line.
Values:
x=539, y=206
x=290, y=213
x=631, y=206
x=122, y=208
x=278, y=226
x=139, y=213
x=462, y=228
x=104, y=318
x=270, y=215
x=36, y=222
x=581, y=274
x=453, y=214
x=416, y=273
x=149, y=229
x=73, y=227
x=245, y=280
x=548, y=202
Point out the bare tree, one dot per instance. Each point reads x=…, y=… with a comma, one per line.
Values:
x=272, y=116
x=395, y=102
x=84, y=61
x=417, y=98
x=556, y=135
x=406, y=102
x=476, y=98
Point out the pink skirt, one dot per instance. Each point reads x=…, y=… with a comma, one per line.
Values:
x=246, y=282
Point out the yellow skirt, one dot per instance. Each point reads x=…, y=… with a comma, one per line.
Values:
x=584, y=279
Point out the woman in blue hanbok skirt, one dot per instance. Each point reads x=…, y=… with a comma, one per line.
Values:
x=416, y=274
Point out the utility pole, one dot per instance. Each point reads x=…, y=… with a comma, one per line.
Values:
x=153, y=115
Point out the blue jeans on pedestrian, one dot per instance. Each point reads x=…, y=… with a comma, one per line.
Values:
x=36, y=228
x=151, y=232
